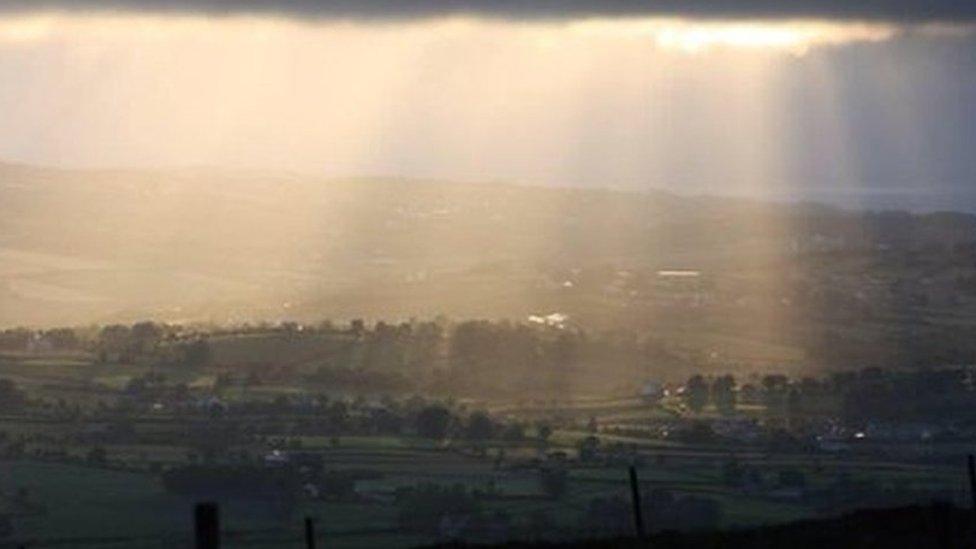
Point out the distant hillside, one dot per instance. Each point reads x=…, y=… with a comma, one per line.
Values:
x=99, y=246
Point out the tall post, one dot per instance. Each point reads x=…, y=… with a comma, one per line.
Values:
x=309, y=533
x=636, y=501
x=972, y=479
x=206, y=518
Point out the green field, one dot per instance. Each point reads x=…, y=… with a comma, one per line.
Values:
x=121, y=502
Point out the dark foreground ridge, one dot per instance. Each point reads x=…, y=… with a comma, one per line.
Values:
x=938, y=525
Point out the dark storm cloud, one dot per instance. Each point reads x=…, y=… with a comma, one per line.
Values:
x=899, y=11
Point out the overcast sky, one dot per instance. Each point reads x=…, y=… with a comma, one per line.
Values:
x=872, y=101
x=952, y=11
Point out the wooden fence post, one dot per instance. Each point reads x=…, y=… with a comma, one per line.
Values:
x=206, y=518
x=309, y=533
x=635, y=497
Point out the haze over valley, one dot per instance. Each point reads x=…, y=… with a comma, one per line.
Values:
x=403, y=273
x=194, y=246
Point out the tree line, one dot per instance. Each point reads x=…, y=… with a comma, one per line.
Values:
x=926, y=394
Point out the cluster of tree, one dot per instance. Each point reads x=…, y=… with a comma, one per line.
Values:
x=143, y=341
x=720, y=392
x=915, y=395
x=512, y=357
x=213, y=428
x=122, y=343
x=55, y=339
x=395, y=418
x=438, y=422
x=492, y=356
x=405, y=347
x=153, y=343
x=856, y=396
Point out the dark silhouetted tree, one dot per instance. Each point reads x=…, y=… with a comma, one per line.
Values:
x=723, y=394
x=433, y=422
x=696, y=393
x=480, y=427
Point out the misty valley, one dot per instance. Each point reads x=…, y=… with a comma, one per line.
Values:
x=534, y=274
x=413, y=362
